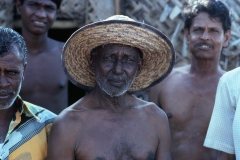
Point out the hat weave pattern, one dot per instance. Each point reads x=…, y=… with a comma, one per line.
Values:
x=158, y=52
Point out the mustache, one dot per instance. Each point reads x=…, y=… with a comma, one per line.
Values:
x=7, y=91
x=117, y=78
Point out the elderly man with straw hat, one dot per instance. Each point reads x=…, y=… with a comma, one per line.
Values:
x=112, y=59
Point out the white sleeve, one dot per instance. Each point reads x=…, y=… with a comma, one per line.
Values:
x=220, y=131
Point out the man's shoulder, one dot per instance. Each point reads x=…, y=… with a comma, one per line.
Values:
x=150, y=108
x=56, y=44
x=173, y=77
x=232, y=75
x=180, y=70
x=71, y=113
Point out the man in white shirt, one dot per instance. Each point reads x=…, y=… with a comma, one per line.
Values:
x=224, y=128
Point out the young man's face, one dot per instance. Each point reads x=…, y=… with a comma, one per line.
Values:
x=37, y=15
x=116, y=67
x=11, y=77
x=206, y=37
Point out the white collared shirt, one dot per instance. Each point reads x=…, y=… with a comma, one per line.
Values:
x=224, y=129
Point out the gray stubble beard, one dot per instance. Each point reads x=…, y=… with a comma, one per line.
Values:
x=102, y=83
x=12, y=100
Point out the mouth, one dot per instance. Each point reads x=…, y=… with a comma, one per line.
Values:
x=39, y=23
x=117, y=83
x=4, y=96
x=204, y=46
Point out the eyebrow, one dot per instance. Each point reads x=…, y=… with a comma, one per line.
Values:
x=214, y=27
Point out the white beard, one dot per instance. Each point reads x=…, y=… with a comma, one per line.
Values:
x=102, y=83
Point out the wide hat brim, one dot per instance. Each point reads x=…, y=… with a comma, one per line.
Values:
x=158, y=52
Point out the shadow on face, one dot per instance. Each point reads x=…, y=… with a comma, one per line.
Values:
x=116, y=67
x=11, y=76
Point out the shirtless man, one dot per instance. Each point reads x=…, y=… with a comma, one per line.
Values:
x=187, y=95
x=45, y=82
x=109, y=123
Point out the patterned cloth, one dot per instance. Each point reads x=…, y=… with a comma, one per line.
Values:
x=28, y=132
x=224, y=128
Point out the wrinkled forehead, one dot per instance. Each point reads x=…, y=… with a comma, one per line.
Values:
x=118, y=48
x=44, y=2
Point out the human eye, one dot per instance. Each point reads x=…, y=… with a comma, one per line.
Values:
x=198, y=29
x=12, y=72
x=214, y=30
x=50, y=8
x=128, y=60
x=33, y=4
x=107, y=58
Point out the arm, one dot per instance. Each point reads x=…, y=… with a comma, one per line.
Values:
x=226, y=156
x=61, y=141
x=163, y=150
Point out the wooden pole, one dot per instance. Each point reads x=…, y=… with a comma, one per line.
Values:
x=117, y=7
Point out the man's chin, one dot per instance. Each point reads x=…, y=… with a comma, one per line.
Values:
x=115, y=93
x=6, y=105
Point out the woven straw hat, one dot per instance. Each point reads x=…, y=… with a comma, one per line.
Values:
x=158, y=52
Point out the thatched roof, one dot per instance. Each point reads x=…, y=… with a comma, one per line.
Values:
x=166, y=16
x=163, y=14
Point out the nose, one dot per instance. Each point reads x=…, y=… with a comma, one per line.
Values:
x=205, y=35
x=41, y=12
x=118, y=67
x=3, y=81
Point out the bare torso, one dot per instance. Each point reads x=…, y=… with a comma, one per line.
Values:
x=119, y=137
x=188, y=101
x=45, y=83
x=95, y=133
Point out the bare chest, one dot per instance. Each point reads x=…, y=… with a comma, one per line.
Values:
x=107, y=140
x=185, y=102
x=44, y=71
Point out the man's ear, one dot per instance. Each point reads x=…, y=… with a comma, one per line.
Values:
x=24, y=68
x=92, y=63
x=186, y=34
x=18, y=6
x=56, y=15
x=227, y=37
x=140, y=65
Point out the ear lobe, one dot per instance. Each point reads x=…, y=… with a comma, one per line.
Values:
x=92, y=64
x=227, y=36
x=140, y=65
x=18, y=6
x=24, y=68
x=186, y=34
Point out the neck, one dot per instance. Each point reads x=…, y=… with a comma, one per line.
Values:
x=206, y=67
x=7, y=114
x=35, y=43
x=115, y=104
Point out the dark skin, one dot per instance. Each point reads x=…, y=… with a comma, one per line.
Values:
x=104, y=127
x=11, y=76
x=46, y=84
x=187, y=95
x=226, y=156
